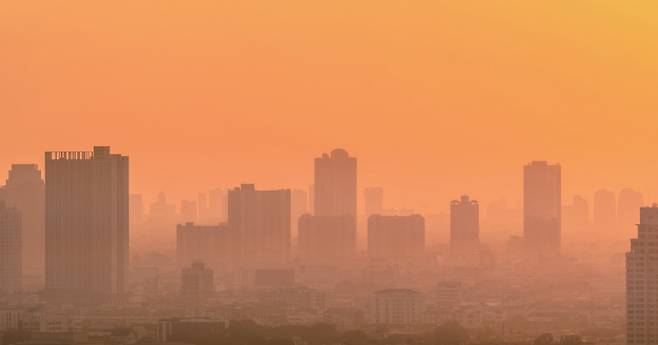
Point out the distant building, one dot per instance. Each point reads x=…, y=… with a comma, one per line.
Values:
x=641, y=288
x=261, y=222
x=396, y=238
x=212, y=207
x=374, y=200
x=605, y=212
x=188, y=211
x=86, y=223
x=396, y=307
x=11, y=244
x=465, y=230
x=335, y=184
x=210, y=244
x=24, y=190
x=448, y=294
x=197, y=282
x=542, y=207
x=322, y=239
x=191, y=331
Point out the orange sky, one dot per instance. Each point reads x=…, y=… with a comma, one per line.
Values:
x=434, y=97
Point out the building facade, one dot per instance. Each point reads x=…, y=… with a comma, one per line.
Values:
x=465, y=229
x=396, y=238
x=86, y=223
x=542, y=207
x=11, y=245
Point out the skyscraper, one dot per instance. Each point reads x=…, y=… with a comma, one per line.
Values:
x=334, y=193
x=260, y=223
x=209, y=244
x=542, y=207
x=641, y=288
x=605, y=212
x=10, y=250
x=86, y=224
x=465, y=230
x=374, y=200
x=335, y=184
x=396, y=238
x=197, y=283
x=25, y=191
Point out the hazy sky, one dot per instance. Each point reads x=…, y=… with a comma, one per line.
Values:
x=434, y=97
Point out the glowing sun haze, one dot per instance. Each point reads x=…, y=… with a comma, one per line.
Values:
x=435, y=98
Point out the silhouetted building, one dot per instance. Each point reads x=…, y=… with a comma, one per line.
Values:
x=542, y=207
x=209, y=244
x=322, y=239
x=396, y=307
x=605, y=212
x=465, y=230
x=24, y=190
x=188, y=211
x=197, y=283
x=162, y=216
x=396, y=238
x=335, y=184
x=261, y=223
x=641, y=288
x=11, y=245
x=86, y=223
x=628, y=203
x=374, y=200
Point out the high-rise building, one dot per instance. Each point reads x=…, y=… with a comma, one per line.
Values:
x=374, y=200
x=260, y=221
x=396, y=238
x=25, y=191
x=198, y=282
x=605, y=213
x=465, y=230
x=188, y=211
x=641, y=288
x=334, y=192
x=628, y=203
x=542, y=207
x=86, y=223
x=322, y=239
x=10, y=250
x=209, y=244
x=335, y=184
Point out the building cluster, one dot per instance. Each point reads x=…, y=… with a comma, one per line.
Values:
x=288, y=257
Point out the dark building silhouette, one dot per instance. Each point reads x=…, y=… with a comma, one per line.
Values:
x=260, y=222
x=335, y=192
x=374, y=200
x=605, y=212
x=197, y=283
x=11, y=245
x=24, y=190
x=209, y=244
x=542, y=207
x=322, y=239
x=641, y=289
x=86, y=223
x=465, y=230
x=396, y=238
